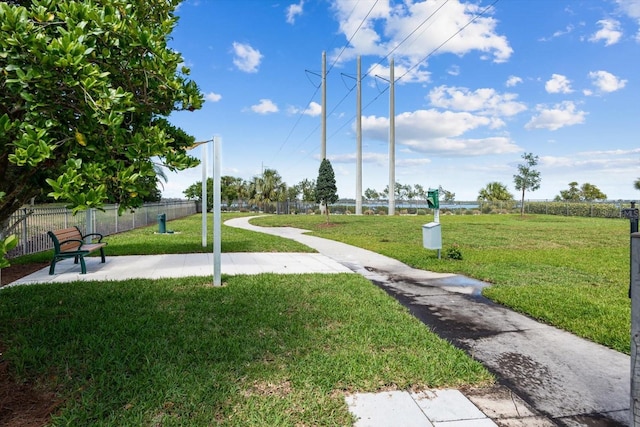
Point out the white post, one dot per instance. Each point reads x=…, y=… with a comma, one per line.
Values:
x=204, y=194
x=217, y=226
x=635, y=328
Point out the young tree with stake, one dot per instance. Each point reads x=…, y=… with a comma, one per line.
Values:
x=527, y=178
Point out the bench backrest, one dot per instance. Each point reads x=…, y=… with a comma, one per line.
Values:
x=66, y=234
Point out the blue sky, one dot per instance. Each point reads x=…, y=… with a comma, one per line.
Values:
x=477, y=85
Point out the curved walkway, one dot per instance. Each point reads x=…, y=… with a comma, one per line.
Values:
x=569, y=380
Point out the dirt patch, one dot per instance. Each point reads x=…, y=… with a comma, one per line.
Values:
x=23, y=404
x=18, y=271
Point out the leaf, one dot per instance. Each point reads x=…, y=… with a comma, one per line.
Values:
x=81, y=139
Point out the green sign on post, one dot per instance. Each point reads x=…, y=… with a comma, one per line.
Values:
x=433, y=199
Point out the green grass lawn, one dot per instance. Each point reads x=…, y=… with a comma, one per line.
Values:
x=282, y=350
x=570, y=272
x=263, y=350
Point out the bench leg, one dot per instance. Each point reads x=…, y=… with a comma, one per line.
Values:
x=52, y=268
x=83, y=265
x=102, y=255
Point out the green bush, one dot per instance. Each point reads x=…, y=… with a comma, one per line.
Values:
x=382, y=210
x=453, y=252
x=595, y=210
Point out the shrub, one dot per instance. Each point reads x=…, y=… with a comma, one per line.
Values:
x=453, y=252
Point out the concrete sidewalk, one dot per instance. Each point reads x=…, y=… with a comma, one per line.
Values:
x=184, y=265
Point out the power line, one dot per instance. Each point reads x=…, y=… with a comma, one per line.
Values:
x=426, y=57
x=295, y=125
x=409, y=35
x=478, y=15
x=449, y=39
x=354, y=33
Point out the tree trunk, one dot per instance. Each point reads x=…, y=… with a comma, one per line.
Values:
x=522, y=204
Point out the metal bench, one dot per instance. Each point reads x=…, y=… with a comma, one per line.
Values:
x=69, y=243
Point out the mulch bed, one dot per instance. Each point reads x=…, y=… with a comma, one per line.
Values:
x=18, y=271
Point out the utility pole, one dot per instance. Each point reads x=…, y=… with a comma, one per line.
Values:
x=392, y=140
x=359, y=139
x=324, y=106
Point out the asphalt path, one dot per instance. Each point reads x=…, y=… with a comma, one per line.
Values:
x=570, y=380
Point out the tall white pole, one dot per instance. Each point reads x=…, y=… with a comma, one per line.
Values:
x=217, y=226
x=392, y=140
x=204, y=194
x=359, y=139
x=324, y=106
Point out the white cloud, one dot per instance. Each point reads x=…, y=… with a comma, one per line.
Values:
x=558, y=84
x=266, y=106
x=412, y=162
x=313, y=109
x=484, y=101
x=293, y=11
x=454, y=70
x=561, y=115
x=631, y=8
x=435, y=132
x=246, y=58
x=606, y=82
x=380, y=159
x=513, y=80
x=213, y=97
x=402, y=71
x=382, y=28
x=609, y=32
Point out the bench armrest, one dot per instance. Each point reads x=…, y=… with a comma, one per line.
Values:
x=94, y=234
x=71, y=240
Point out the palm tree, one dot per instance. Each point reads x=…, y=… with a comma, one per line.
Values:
x=270, y=187
x=495, y=192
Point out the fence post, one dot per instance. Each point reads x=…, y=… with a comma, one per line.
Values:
x=635, y=329
x=24, y=232
x=88, y=222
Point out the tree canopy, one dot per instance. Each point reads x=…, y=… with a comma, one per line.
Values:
x=585, y=193
x=84, y=91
